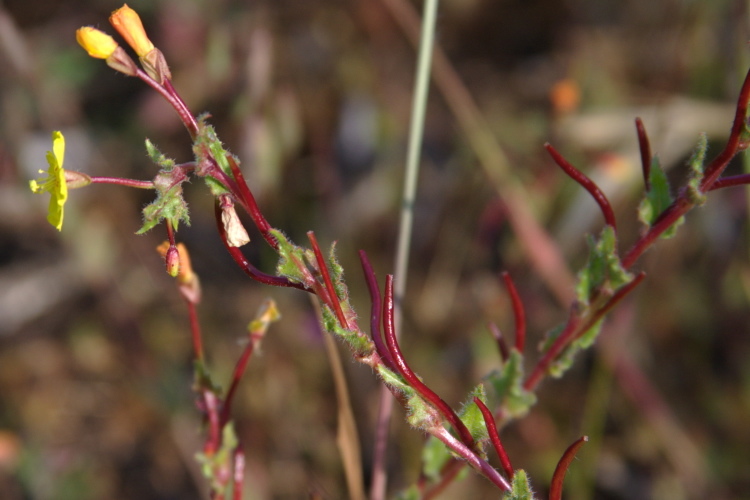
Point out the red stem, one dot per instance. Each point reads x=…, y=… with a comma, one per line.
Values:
x=247, y=267
x=335, y=303
x=669, y=216
x=586, y=183
x=375, y=299
x=239, y=370
x=518, y=312
x=562, y=341
x=734, y=180
x=645, y=148
x=502, y=345
x=717, y=166
x=195, y=329
x=556, y=488
x=408, y=374
x=123, y=182
x=682, y=204
x=574, y=329
x=168, y=92
x=248, y=201
x=489, y=421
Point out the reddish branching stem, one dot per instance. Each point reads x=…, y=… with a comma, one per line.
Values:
x=376, y=301
x=717, y=166
x=239, y=370
x=335, y=303
x=576, y=327
x=248, y=201
x=409, y=375
x=563, y=340
x=518, y=312
x=586, y=183
x=645, y=148
x=683, y=204
x=170, y=94
x=489, y=421
x=556, y=488
x=734, y=180
x=247, y=267
x=502, y=345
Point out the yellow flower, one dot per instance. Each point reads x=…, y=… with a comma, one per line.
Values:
x=97, y=43
x=127, y=22
x=54, y=183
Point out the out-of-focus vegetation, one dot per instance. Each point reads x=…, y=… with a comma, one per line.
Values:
x=314, y=97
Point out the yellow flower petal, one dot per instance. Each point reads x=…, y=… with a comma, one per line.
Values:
x=128, y=24
x=54, y=183
x=97, y=43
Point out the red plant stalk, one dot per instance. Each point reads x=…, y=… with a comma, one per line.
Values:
x=556, y=488
x=683, y=204
x=645, y=148
x=474, y=460
x=489, y=421
x=586, y=183
x=734, y=180
x=408, y=374
x=574, y=329
x=335, y=303
x=518, y=312
x=195, y=330
x=249, y=203
x=247, y=267
x=170, y=94
x=502, y=345
x=376, y=304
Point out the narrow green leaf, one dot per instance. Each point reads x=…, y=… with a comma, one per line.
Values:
x=603, y=272
x=520, y=488
x=507, y=387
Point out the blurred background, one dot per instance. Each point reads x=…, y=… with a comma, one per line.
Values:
x=314, y=97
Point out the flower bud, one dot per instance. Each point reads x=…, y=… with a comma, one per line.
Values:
x=128, y=24
x=172, y=261
x=97, y=43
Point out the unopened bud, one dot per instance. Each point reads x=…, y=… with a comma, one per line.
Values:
x=172, y=261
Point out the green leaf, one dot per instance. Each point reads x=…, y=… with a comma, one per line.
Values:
x=520, y=488
x=290, y=258
x=471, y=415
x=603, y=272
x=507, y=387
x=657, y=199
x=210, y=153
x=169, y=203
x=359, y=343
